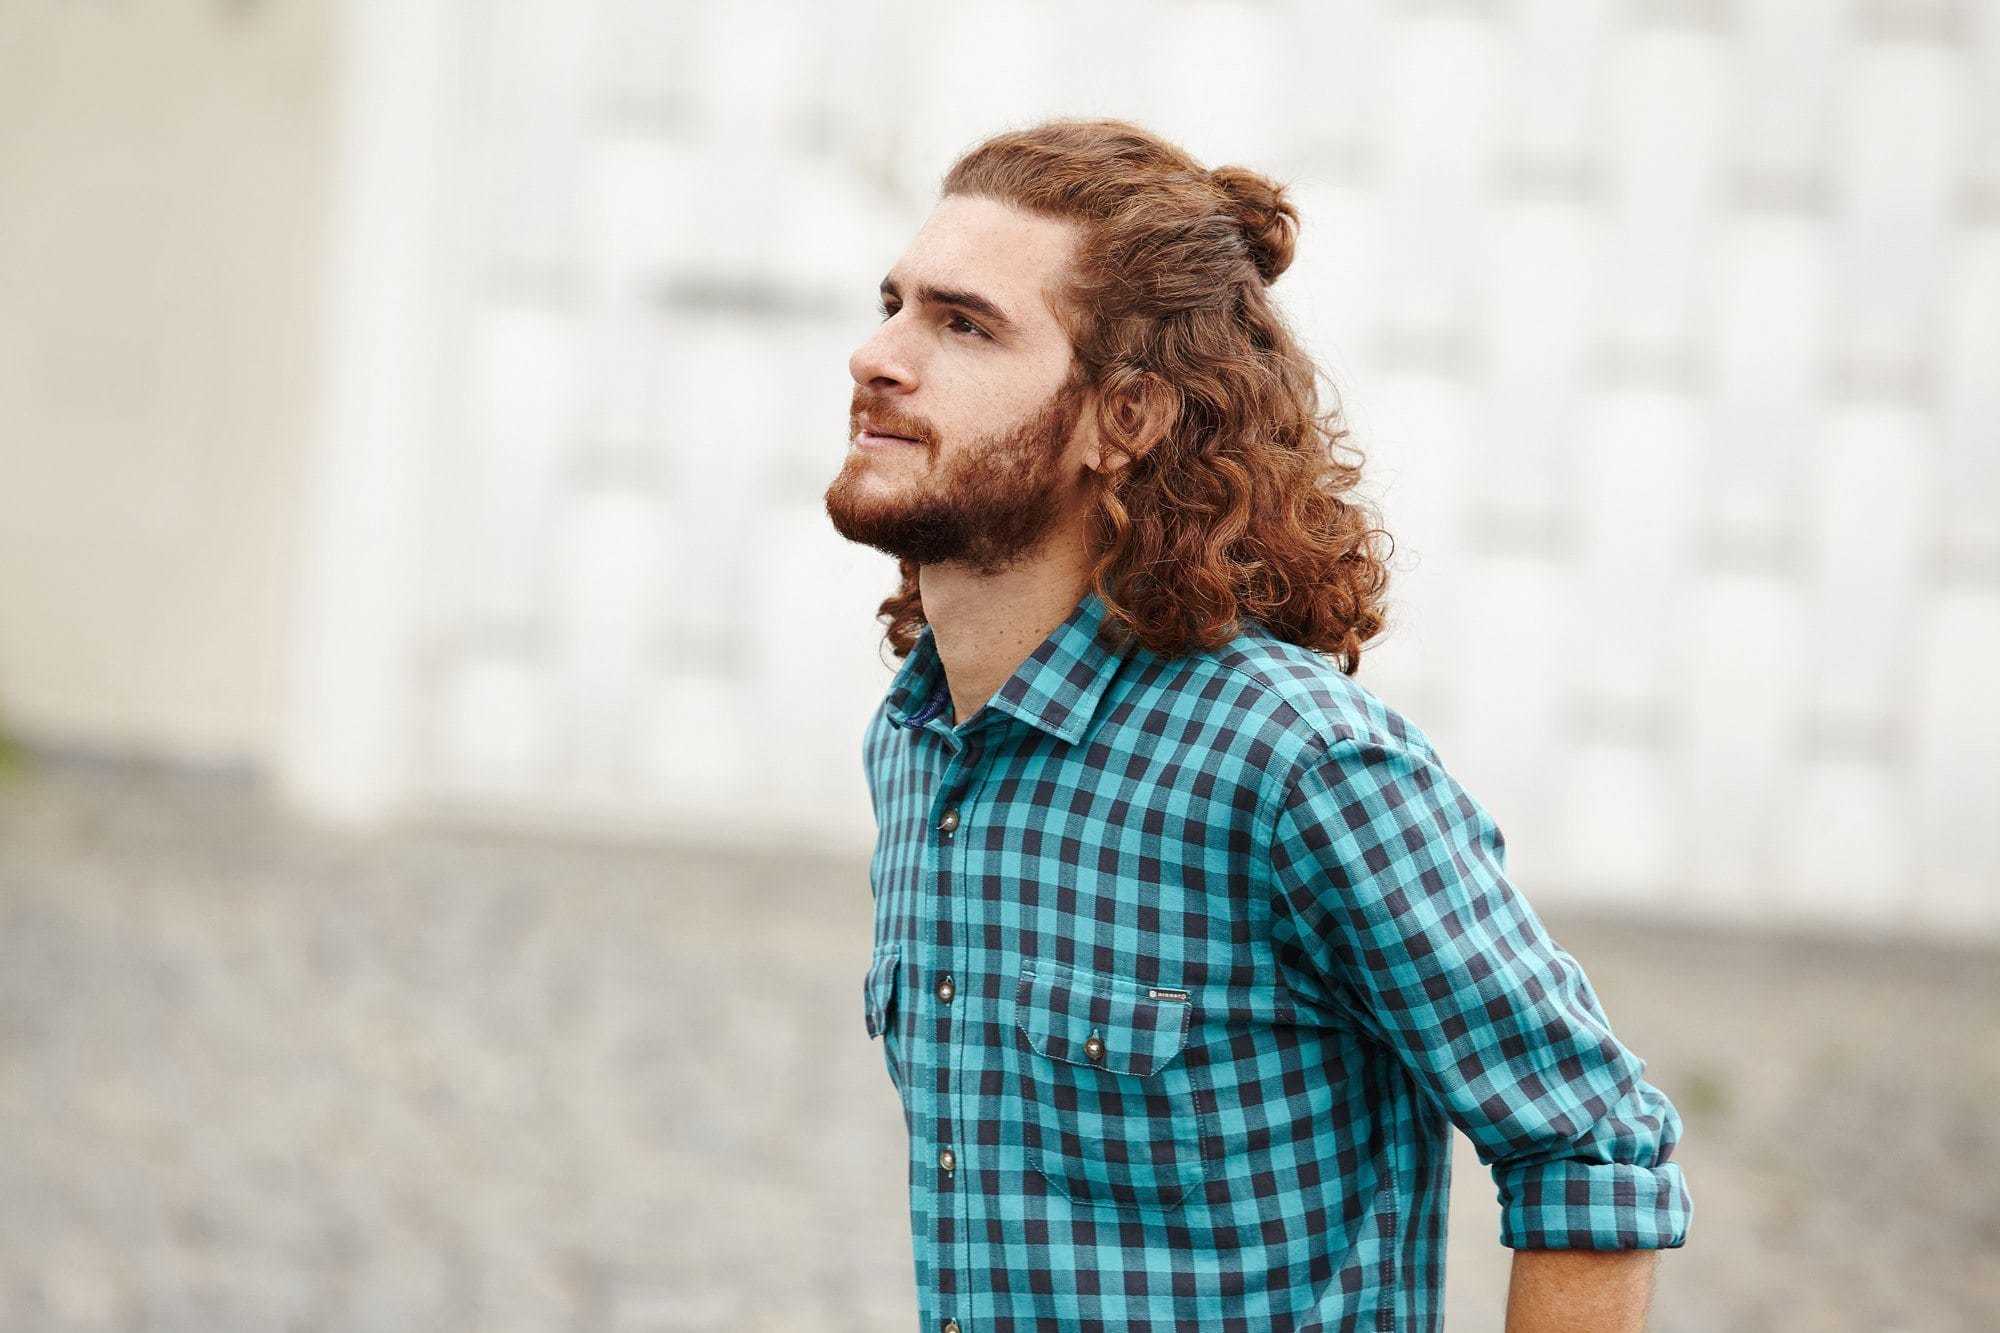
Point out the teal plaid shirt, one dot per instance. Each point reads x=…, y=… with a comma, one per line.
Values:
x=1184, y=968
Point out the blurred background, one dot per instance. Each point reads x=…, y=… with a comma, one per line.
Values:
x=433, y=883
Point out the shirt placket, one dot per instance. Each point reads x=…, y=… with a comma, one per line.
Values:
x=947, y=970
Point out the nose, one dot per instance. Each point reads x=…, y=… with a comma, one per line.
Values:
x=882, y=363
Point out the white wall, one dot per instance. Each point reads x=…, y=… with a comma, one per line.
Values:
x=160, y=219
x=1667, y=328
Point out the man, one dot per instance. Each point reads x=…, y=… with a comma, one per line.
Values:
x=1188, y=951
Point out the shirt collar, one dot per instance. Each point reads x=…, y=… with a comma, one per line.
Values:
x=1057, y=688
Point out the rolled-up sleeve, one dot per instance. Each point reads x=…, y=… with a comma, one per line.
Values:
x=1391, y=880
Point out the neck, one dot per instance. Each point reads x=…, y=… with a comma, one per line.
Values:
x=984, y=626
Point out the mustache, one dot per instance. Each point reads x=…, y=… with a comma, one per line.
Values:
x=889, y=421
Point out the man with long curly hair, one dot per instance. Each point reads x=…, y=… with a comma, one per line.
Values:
x=1188, y=950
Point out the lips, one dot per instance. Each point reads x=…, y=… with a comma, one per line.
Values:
x=870, y=434
x=868, y=442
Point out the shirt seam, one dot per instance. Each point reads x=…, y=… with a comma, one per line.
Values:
x=1270, y=804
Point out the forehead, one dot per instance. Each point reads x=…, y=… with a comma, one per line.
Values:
x=1016, y=259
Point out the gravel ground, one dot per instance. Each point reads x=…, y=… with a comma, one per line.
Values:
x=258, y=1076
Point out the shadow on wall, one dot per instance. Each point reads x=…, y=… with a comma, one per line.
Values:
x=13, y=758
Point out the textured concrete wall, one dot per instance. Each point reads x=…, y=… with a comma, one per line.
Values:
x=1667, y=329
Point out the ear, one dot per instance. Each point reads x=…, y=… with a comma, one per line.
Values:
x=1137, y=411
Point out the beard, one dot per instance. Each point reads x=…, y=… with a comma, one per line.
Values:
x=994, y=503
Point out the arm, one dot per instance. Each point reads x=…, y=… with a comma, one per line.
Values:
x=1392, y=886
x=1606, y=1291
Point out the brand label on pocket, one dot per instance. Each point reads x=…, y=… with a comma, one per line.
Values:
x=1154, y=993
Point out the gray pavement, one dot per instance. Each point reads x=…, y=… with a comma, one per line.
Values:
x=259, y=1076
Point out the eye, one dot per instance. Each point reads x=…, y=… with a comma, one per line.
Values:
x=888, y=309
x=970, y=327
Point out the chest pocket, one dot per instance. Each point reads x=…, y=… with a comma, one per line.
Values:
x=1111, y=1111
x=878, y=996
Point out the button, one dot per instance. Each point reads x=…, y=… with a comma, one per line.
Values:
x=945, y=990
x=1093, y=1047
x=951, y=1326
x=950, y=820
x=948, y=1160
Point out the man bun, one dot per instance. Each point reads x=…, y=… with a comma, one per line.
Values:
x=1269, y=221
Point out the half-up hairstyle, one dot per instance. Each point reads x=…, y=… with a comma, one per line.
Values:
x=1242, y=505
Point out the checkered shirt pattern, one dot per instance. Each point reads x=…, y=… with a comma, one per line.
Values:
x=1185, y=967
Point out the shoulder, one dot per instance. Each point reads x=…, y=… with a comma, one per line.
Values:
x=1297, y=706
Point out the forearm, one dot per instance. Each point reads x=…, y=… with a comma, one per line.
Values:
x=1570, y=1291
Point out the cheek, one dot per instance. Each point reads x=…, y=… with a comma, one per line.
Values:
x=969, y=400
x=999, y=400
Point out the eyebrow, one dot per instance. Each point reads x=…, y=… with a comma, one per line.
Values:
x=969, y=301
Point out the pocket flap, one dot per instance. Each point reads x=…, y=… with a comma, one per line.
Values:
x=878, y=988
x=1058, y=1010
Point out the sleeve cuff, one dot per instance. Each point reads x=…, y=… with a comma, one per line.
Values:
x=1573, y=1205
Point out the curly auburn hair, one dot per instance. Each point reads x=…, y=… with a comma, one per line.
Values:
x=1239, y=504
